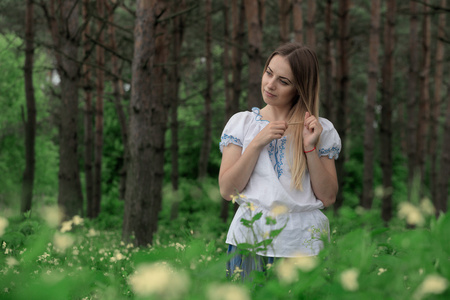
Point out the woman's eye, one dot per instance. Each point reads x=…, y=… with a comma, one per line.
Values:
x=284, y=82
x=268, y=73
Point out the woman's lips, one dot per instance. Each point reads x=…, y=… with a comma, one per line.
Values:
x=269, y=94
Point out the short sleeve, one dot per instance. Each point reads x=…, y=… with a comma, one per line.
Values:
x=330, y=142
x=234, y=130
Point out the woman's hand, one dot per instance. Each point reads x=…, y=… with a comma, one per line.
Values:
x=274, y=130
x=311, y=132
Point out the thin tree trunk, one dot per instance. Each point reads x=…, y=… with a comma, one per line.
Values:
x=207, y=134
x=436, y=104
x=118, y=96
x=369, y=130
x=88, y=114
x=386, y=111
x=310, y=24
x=328, y=102
x=254, y=11
x=444, y=170
x=147, y=125
x=343, y=90
x=297, y=15
x=412, y=113
x=424, y=99
x=100, y=58
x=177, y=39
x=64, y=31
x=30, y=121
x=284, y=13
x=238, y=38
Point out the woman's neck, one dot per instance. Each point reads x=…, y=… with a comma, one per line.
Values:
x=273, y=113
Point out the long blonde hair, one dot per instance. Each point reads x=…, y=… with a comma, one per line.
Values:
x=305, y=68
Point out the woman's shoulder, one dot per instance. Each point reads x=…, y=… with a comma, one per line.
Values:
x=326, y=124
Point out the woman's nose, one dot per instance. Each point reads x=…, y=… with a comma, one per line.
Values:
x=271, y=83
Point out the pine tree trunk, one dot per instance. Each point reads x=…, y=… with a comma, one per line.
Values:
x=64, y=31
x=369, y=130
x=177, y=39
x=30, y=121
x=147, y=125
x=328, y=101
x=424, y=98
x=254, y=11
x=100, y=58
x=118, y=96
x=436, y=104
x=284, y=13
x=310, y=24
x=386, y=111
x=88, y=114
x=412, y=112
x=444, y=170
x=343, y=91
x=297, y=15
x=207, y=134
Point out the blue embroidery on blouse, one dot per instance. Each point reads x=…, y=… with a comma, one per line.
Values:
x=330, y=152
x=276, y=154
x=226, y=139
x=258, y=116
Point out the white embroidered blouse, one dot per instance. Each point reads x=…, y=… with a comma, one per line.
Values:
x=269, y=192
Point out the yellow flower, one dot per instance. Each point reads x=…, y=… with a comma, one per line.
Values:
x=349, y=279
x=252, y=206
x=279, y=210
x=227, y=291
x=3, y=224
x=432, y=284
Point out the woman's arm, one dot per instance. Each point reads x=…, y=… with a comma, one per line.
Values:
x=323, y=175
x=322, y=170
x=236, y=167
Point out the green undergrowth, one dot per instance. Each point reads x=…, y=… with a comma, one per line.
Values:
x=83, y=259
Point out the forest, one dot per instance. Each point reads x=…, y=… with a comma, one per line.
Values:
x=110, y=123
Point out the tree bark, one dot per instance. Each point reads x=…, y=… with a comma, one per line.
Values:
x=310, y=24
x=436, y=104
x=64, y=31
x=254, y=11
x=328, y=103
x=147, y=125
x=412, y=112
x=386, y=111
x=177, y=40
x=343, y=91
x=369, y=129
x=284, y=13
x=297, y=15
x=30, y=121
x=118, y=96
x=207, y=133
x=424, y=99
x=88, y=114
x=444, y=170
x=100, y=58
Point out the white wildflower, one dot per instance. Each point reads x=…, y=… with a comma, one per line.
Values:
x=160, y=280
x=381, y=271
x=3, y=224
x=432, y=284
x=77, y=220
x=62, y=241
x=227, y=291
x=427, y=207
x=411, y=214
x=349, y=279
x=287, y=269
x=52, y=215
x=66, y=226
x=11, y=261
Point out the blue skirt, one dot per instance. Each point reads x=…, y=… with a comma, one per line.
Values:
x=245, y=264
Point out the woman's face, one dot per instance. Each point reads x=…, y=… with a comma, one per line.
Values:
x=277, y=84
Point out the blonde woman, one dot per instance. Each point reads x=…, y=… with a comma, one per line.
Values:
x=278, y=162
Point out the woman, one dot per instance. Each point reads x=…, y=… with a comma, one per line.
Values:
x=278, y=162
